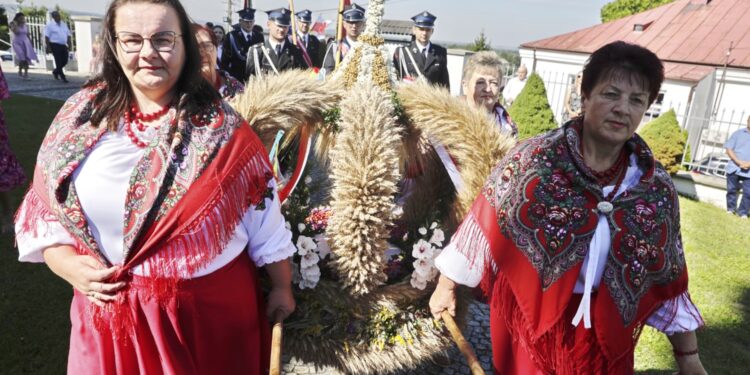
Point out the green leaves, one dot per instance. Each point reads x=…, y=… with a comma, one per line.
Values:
x=666, y=140
x=531, y=111
x=623, y=8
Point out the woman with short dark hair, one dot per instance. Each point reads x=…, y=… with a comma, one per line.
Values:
x=576, y=237
x=155, y=201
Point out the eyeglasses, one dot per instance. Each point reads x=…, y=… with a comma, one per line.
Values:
x=206, y=46
x=162, y=41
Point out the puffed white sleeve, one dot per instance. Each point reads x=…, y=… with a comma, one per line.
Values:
x=36, y=229
x=463, y=260
x=676, y=315
x=269, y=239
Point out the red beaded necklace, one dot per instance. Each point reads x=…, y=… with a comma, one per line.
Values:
x=135, y=116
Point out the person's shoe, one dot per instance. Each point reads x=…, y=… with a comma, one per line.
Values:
x=54, y=74
x=743, y=217
x=730, y=212
x=65, y=80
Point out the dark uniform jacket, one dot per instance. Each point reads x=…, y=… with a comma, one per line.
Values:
x=234, y=52
x=314, y=49
x=289, y=58
x=434, y=67
x=329, y=62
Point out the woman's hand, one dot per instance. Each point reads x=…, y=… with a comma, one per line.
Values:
x=84, y=273
x=443, y=298
x=281, y=302
x=281, y=298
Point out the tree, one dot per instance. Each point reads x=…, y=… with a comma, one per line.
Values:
x=666, y=140
x=4, y=32
x=623, y=8
x=531, y=111
x=481, y=43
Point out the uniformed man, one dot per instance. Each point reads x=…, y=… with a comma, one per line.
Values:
x=354, y=23
x=311, y=43
x=237, y=43
x=422, y=58
x=277, y=53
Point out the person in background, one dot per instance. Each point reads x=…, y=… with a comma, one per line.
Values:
x=219, y=33
x=354, y=24
x=11, y=172
x=515, y=85
x=164, y=265
x=311, y=43
x=227, y=86
x=481, y=81
x=22, y=46
x=422, y=58
x=57, y=39
x=738, y=171
x=277, y=53
x=237, y=43
x=573, y=99
x=576, y=240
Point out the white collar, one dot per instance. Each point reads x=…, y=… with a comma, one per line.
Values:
x=274, y=43
x=349, y=41
x=421, y=47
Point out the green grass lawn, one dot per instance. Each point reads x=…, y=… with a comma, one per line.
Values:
x=34, y=322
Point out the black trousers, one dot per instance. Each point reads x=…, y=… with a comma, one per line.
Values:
x=60, y=53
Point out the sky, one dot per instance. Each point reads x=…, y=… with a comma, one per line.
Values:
x=507, y=23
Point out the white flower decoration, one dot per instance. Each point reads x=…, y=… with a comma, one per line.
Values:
x=308, y=260
x=437, y=237
x=308, y=180
x=422, y=267
x=301, y=227
x=418, y=282
x=422, y=250
x=287, y=225
x=423, y=231
x=323, y=248
x=433, y=225
x=305, y=245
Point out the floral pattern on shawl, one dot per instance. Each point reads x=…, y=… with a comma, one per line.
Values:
x=172, y=161
x=546, y=204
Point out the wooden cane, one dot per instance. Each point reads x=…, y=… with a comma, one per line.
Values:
x=278, y=327
x=463, y=345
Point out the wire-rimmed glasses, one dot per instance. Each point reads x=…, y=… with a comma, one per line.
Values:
x=162, y=41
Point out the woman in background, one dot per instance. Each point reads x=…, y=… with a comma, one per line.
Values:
x=22, y=46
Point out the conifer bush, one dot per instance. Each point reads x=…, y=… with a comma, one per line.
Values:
x=531, y=111
x=666, y=139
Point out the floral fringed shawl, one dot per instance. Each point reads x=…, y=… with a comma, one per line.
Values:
x=187, y=194
x=534, y=222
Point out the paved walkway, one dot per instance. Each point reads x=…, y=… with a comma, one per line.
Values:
x=41, y=83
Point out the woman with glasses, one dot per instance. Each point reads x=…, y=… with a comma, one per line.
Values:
x=481, y=86
x=227, y=86
x=155, y=201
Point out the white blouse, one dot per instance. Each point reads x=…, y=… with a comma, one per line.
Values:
x=102, y=181
x=676, y=315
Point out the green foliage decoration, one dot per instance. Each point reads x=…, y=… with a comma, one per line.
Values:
x=531, y=110
x=622, y=8
x=666, y=140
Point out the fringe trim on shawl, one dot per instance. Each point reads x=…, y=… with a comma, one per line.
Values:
x=556, y=351
x=471, y=242
x=195, y=246
x=32, y=209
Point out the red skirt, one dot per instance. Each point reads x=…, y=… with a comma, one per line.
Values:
x=216, y=325
x=577, y=349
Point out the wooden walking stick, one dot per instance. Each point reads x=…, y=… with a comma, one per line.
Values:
x=278, y=327
x=463, y=345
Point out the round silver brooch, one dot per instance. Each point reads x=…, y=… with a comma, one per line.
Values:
x=605, y=207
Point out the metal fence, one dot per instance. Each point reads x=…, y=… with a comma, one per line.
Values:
x=36, y=27
x=704, y=151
